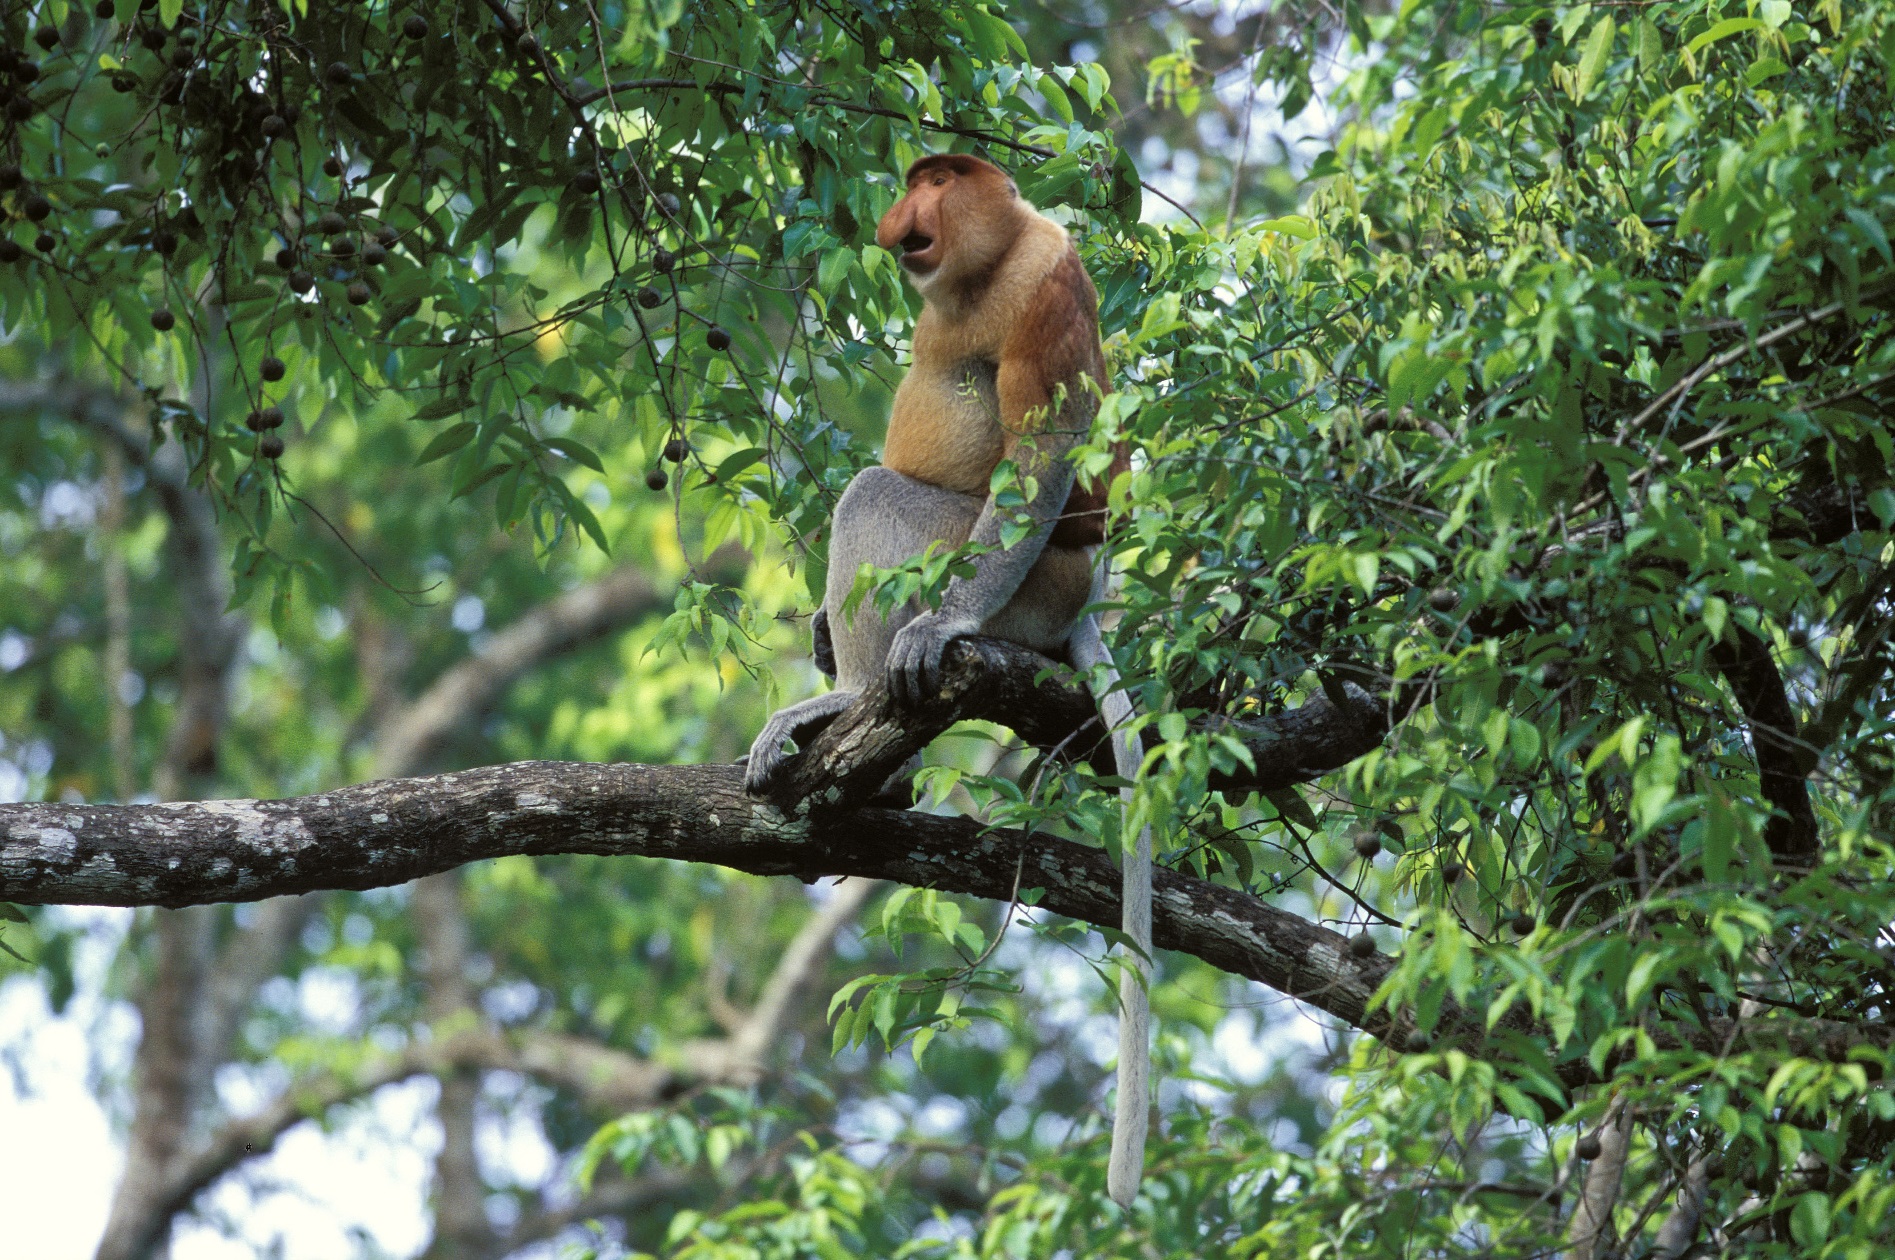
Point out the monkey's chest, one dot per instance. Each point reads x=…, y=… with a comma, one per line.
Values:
x=945, y=428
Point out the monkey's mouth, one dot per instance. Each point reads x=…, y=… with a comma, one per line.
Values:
x=917, y=248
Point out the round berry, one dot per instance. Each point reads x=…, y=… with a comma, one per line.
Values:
x=338, y=73
x=1522, y=923
x=1361, y=945
x=21, y=108
x=163, y=320
x=105, y=10
x=1415, y=1042
x=1588, y=1147
x=301, y=282
x=676, y=449
x=271, y=368
x=153, y=37
x=165, y=241
x=10, y=251
x=123, y=81
x=1451, y=872
x=332, y=166
x=669, y=205
x=254, y=422
x=332, y=224
x=373, y=255
x=415, y=27
x=359, y=294
x=717, y=338
x=270, y=418
x=342, y=247
x=26, y=71
x=270, y=446
x=101, y=150
x=656, y=479
x=587, y=182
x=662, y=261
x=1367, y=845
x=10, y=176
x=286, y=259
x=182, y=57
x=388, y=236
x=273, y=125
x=36, y=207
x=649, y=297
x=46, y=37
x=44, y=242
x=528, y=44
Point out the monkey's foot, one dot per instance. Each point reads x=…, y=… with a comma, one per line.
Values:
x=766, y=753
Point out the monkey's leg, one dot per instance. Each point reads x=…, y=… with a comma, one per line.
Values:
x=882, y=519
x=766, y=751
x=1131, y=1111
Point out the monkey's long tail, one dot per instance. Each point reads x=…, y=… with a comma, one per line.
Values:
x=1132, y=1111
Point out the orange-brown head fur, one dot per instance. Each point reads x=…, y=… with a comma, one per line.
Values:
x=955, y=223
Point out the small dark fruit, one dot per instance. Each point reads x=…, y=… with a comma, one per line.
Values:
x=373, y=255
x=342, y=247
x=26, y=71
x=587, y=182
x=415, y=27
x=1625, y=865
x=1444, y=599
x=338, y=73
x=163, y=320
x=359, y=294
x=1361, y=945
x=270, y=446
x=656, y=479
x=182, y=57
x=165, y=241
x=10, y=251
x=1522, y=923
x=676, y=449
x=286, y=259
x=717, y=338
x=105, y=10
x=388, y=236
x=254, y=422
x=649, y=297
x=1415, y=1042
x=528, y=44
x=669, y=205
x=124, y=81
x=332, y=166
x=10, y=176
x=153, y=38
x=301, y=282
x=1588, y=1147
x=271, y=368
x=273, y=125
x=331, y=223
x=663, y=260
x=44, y=242
x=1451, y=872
x=46, y=37
x=270, y=418
x=1367, y=845
x=21, y=108
x=36, y=207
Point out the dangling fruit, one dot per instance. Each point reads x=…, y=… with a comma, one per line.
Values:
x=163, y=320
x=271, y=368
x=717, y=338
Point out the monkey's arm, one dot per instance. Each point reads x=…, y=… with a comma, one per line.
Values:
x=1044, y=396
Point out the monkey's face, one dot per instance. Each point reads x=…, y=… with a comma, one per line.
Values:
x=952, y=220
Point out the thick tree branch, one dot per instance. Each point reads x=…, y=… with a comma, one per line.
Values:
x=846, y=765
x=1783, y=763
x=393, y=831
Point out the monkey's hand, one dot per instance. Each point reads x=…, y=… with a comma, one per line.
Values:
x=914, y=658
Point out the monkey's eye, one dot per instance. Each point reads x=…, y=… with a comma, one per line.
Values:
x=939, y=180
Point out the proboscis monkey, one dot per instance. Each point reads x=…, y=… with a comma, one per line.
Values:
x=1006, y=363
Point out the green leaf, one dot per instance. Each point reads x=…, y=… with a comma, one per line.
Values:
x=447, y=441
x=1729, y=26
x=11, y=913
x=1598, y=49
